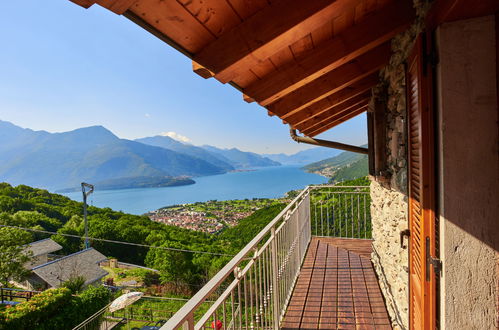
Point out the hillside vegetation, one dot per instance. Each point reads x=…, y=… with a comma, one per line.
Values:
x=345, y=166
x=28, y=207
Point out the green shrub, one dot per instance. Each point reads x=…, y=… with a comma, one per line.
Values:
x=31, y=314
x=82, y=307
x=75, y=284
x=55, y=309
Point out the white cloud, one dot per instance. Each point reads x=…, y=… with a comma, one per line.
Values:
x=176, y=136
x=147, y=115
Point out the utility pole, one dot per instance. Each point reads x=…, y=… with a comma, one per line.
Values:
x=85, y=195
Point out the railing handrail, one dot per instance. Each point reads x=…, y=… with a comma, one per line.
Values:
x=91, y=318
x=185, y=312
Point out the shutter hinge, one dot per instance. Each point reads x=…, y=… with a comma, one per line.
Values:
x=430, y=260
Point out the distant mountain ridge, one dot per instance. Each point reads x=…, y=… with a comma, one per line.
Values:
x=63, y=160
x=240, y=159
x=198, y=152
x=229, y=159
x=345, y=166
x=305, y=156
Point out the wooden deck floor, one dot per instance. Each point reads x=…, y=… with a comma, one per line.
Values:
x=337, y=289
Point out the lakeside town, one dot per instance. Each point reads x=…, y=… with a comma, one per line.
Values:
x=212, y=216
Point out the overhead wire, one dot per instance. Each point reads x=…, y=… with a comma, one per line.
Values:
x=119, y=242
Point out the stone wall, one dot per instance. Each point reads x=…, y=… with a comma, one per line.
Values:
x=389, y=208
x=389, y=217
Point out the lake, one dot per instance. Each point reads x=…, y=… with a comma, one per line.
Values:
x=268, y=182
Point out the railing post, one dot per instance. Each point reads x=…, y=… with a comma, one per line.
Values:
x=275, y=284
x=299, y=235
x=189, y=322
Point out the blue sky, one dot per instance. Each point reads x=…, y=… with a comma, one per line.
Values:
x=63, y=67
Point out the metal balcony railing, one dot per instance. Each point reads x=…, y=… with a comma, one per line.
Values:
x=258, y=282
x=341, y=211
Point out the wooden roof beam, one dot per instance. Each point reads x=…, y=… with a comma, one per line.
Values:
x=201, y=70
x=356, y=40
x=267, y=31
x=343, y=108
x=333, y=100
x=333, y=81
x=116, y=6
x=336, y=121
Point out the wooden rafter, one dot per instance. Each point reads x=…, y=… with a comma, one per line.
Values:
x=116, y=6
x=201, y=70
x=341, y=109
x=331, y=101
x=333, y=81
x=336, y=122
x=266, y=32
x=375, y=30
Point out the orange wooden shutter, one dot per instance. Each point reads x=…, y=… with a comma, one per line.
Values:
x=422, y=289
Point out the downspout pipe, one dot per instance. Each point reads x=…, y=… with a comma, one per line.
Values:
x=325, y=143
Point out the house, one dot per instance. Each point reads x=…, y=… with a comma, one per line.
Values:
x=83, y=263
x=426, y=73
x=40, y=251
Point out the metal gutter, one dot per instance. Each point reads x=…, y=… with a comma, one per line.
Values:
x=328, y=144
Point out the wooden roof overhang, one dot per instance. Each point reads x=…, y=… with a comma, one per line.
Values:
x=310, y=62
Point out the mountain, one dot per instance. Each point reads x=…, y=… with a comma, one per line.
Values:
x=63, y=160
x=345, y=166
x=305, y=156
x=240, y=159
x=187, y=149
x=137, y=182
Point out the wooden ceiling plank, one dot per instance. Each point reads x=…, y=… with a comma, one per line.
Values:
x=337, y=98
x=364, y=9
x=336, y=122
x=353, y=103
x=266, y=32
x=246, y=79
x=302, y=46
x=373, y=31
x=173, y=20
x=322, y=34
x=245, y=8
x=263, y=68
x=281, y=58
x=217, y=16
x=344, y=21
x=332, y=82
x=337, y=116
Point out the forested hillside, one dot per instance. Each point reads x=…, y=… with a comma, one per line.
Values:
x=345, y=166
x=38, y=209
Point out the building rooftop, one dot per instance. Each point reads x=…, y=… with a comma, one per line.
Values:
x=83, y=263
x=43, y=246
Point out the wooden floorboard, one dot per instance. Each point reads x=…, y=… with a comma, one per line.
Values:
x=337, y=288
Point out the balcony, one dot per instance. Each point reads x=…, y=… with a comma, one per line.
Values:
x=309, y=268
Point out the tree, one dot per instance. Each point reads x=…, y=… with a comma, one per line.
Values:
x=75, y=284
x=13, y=255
